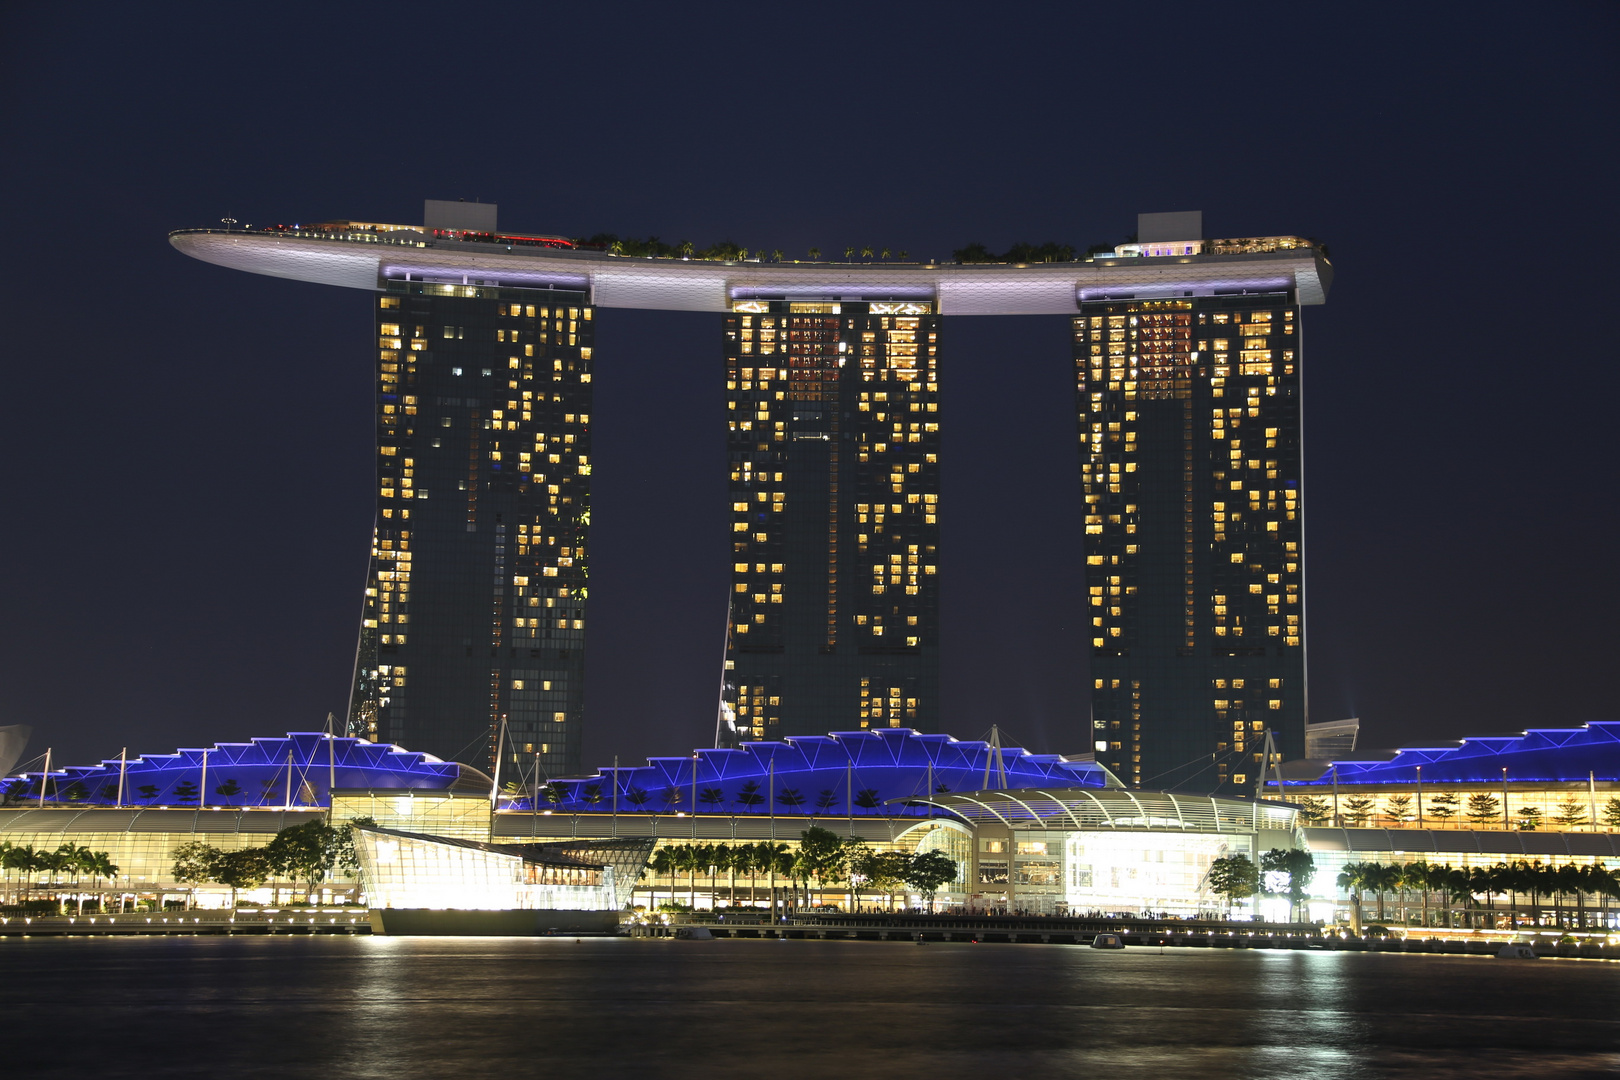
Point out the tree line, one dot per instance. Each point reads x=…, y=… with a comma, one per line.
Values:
x=1481, y=808
x=1471, y=887
x=750, y=797
x=1279, y=873
x=1466, y=888
x=822, y=860
x=19, y=791
x=722, y=251
x=729, y=251
x=306, y=853
x=74, y=860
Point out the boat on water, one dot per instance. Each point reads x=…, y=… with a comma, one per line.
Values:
x=1517, y=950
x=692, y=933
x=1107, y=941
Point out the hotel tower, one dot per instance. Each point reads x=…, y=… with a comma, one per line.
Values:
x=1189, y=410
x=833, y=446
x=1187, y=360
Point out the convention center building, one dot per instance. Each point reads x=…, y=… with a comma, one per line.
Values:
x=1029, y=832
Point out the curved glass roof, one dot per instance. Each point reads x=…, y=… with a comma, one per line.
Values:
x=297, y=769
x=830, y=774
x=1545, y=754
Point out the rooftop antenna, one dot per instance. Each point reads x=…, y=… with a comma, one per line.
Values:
x=331, y=756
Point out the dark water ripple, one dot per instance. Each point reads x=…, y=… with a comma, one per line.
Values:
x=399, y=1008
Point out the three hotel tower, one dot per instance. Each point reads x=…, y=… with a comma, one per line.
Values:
x=1190, y=456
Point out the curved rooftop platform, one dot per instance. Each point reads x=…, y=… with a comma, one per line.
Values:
x=365, y=259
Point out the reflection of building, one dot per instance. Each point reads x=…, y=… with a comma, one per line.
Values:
x=1189, y=407
x=475, y=604
x=834, y=456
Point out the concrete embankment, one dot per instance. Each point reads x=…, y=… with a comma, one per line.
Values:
x=282, y=921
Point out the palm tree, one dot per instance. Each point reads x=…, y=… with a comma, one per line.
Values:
x=1353, y=880
x=1422, y=878
x=742, y=862
x=866, y=252
x=1381, y=879
x=663, y=864
x=719, y=859
x=776, y=255
x=772, y=854
x=815, y=254
x=885, y=254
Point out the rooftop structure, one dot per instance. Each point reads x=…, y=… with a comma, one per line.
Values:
x=297, y=770
x=1540, y=754
x=879, y=770
x=359, y=255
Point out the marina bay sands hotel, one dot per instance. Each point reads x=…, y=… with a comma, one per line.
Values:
x=1187, y=363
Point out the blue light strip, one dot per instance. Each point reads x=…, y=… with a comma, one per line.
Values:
x=258, y=771
x=820, y=774
x=1549, y=755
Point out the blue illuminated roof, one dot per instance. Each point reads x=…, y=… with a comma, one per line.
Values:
x=1554, y=755
x=292, y=770
x=815, y=774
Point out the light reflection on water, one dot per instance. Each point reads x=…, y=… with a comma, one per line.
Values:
x=400, y=1007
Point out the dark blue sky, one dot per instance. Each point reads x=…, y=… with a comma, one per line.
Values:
x=185, y=451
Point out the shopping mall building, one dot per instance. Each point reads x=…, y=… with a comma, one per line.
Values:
x=1030, y=832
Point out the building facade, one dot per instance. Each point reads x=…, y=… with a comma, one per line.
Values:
x=833, y=445
x=1189, y=412
x=475, y=600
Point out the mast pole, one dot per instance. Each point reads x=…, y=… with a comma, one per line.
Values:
x=331, y=757
x=495, y=781
x=123, y=765
x=45, y=778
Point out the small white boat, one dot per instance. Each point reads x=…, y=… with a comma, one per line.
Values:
x=1516, y=951
x=1107, y=941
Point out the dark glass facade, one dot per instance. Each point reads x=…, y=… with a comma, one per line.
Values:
x=475, y=602
x=1190, y=447
x=833, y=412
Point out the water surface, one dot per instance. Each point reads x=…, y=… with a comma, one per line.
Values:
x=340, y=1007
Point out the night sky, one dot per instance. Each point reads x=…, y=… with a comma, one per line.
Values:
x=187, y=450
